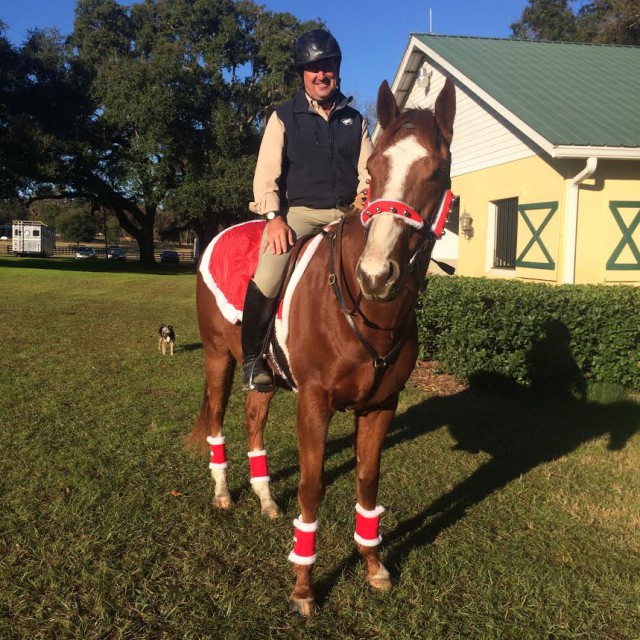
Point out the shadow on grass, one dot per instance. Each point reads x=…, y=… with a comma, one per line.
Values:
x=98, y=266
x=191, y=346
x=520, y=432
x=519, y=427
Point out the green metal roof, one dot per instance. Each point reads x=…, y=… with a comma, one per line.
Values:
x=571, y=94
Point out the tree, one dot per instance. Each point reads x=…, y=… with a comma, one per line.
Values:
x=10, y=210
x=610, y=22
x=546, y=20
x=183, y=86
x=14, y=147
x=599, y=21
x=157, y=104
x=74, y=225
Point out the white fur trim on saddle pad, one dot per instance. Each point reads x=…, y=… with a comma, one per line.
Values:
x=282, y=320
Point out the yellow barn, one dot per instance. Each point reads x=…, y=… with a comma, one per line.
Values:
x=546, y=155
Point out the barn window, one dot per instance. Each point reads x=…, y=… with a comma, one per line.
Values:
x=504, y=256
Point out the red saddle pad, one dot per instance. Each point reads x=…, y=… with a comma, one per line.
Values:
x=229, y=262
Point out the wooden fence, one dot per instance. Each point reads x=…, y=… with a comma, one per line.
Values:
x=185, y=255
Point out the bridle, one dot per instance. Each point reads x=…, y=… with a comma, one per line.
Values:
x=408, y=215
x=411, y=217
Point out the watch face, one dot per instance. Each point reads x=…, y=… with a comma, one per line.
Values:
x=271, y=215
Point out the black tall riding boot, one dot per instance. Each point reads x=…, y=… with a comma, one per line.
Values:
x=256, y=316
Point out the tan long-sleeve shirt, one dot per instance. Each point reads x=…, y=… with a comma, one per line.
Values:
x=266, y=192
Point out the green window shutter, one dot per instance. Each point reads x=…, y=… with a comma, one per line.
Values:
x=536, y=235
x=627, y=237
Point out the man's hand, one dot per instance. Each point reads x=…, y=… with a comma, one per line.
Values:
x=359, y=202
x=279, y=236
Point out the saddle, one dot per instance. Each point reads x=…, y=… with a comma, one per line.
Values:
x=227, y=265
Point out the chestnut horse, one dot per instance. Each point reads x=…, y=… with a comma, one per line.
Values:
x=353, y=342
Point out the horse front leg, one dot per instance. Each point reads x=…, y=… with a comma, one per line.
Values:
x=313, y=417
x=371, y=429
x=256, y=414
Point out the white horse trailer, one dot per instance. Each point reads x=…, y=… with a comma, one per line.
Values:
x=31, y=238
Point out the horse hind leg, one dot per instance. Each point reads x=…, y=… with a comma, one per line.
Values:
x=207, y=432
x=256, y=414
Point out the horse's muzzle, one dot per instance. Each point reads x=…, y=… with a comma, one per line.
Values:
x=382, y=286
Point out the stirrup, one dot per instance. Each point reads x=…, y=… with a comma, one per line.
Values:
x=256, y=368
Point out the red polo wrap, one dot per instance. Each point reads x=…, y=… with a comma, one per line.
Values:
x=367, y=523
x=218, y=453
x=304, y=543
x=258, y=466
x=367, y=527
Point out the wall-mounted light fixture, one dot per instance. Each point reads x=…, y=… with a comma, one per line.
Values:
x=466, y=225
x=424, y=78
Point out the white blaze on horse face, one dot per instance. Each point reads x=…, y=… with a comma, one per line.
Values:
x=384, y=231
x=402, y=155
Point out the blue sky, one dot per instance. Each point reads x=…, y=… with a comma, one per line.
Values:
x=373, y=34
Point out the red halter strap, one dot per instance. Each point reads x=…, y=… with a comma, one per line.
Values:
x=405, y=213
x=396, y=208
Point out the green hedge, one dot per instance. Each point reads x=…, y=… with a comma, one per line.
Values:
x=533, y=334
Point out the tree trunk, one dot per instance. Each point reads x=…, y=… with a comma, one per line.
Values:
x=145, y=241
x=142, y=232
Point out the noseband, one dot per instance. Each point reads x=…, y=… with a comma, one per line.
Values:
x=410, y=216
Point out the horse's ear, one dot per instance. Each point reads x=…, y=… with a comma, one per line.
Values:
x=445, y=110
x=387, y=106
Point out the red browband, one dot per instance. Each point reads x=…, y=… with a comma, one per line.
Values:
x=407, y=214
x=395, y=208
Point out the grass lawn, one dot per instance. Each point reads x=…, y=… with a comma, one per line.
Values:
x=507, y=516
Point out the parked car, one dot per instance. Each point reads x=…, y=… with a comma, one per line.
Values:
x=86, y=253
x=116, y=253
x=170, y=256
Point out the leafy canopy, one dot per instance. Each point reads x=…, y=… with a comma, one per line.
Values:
x=154, y=105
x=599, y=21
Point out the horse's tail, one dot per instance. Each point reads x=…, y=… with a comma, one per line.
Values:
x=197, y=439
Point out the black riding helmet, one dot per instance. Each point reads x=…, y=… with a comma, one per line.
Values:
x=313, y=45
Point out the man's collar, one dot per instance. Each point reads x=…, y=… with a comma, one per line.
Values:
x=303, y=102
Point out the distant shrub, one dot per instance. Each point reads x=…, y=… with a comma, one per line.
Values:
x=534, y=334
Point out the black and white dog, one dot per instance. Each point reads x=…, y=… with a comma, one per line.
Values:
x=166, y=335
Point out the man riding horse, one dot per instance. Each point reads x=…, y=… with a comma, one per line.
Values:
x=311, y=165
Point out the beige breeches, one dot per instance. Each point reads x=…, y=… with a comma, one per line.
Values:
x=302, y=220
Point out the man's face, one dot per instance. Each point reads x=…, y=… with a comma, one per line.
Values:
x=321, y=79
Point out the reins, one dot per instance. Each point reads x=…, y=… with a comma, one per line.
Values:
x=380, y=363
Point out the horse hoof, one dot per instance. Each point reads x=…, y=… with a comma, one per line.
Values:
x=272, y=512
x=222, y=502
x=303, y=606
x=380, y=583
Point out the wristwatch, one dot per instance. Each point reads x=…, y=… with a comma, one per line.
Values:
x=271, y=215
